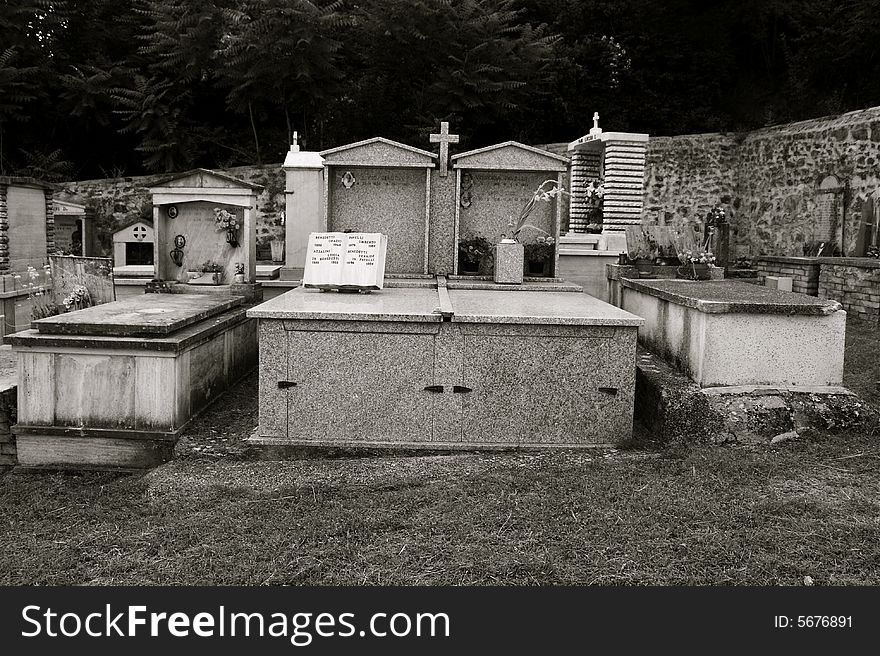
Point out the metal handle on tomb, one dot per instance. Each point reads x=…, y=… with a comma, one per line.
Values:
x=437, y=389
x=460, y=389
x=609, y=390
x=284, y=384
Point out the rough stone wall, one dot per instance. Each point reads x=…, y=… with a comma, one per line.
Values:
x=115, y=201
x=8, y=405
x=771, y=177
x=803, y=271
x=855, y=284
x=686, y=175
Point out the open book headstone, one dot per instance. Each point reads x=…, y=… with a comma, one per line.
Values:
x=345, y=261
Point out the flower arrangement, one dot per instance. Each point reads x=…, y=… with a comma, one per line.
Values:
x=696, y=257
x=225, y=220
x=473, y=251
x=595, y=195
x=42, y=302
x=239, y=268
x=873, y=251
x=78, y=299
x=210, y=266
x=546, y=191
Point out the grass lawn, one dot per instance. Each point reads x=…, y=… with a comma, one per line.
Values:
x=697, y=515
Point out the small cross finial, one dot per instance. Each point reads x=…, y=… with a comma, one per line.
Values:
x=444, y=139
x=595, y=119
x=295, y=145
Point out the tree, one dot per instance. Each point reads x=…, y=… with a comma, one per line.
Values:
x=413, y=63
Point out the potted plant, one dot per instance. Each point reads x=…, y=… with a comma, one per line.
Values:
x=239, y=272
x=474, y=255
x=695, y=264
x=539, y=256
x=207, y=273
x=641, y=249
x=225, y=220
x=510, y=252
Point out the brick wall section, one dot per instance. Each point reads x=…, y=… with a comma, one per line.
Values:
x=855, y=283
x=803, y=271
x=8, y=405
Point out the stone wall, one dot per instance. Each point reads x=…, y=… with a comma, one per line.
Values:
x=116, y=201
x=855, y=283
x=803, y=271
x=768, y=180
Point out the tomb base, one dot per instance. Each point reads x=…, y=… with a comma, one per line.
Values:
x=114, y=385
x=444, y=368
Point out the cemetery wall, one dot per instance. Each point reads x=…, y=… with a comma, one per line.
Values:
x=855, y=284
x=116, y=201
x=771, y=179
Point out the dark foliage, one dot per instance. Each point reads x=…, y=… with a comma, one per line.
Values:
x=98, y=88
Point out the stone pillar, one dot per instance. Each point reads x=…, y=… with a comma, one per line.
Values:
x=50, y=221
x=4, y=230
x=624, y=169
x=304, y=207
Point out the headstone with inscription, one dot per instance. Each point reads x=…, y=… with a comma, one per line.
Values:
x=345, y=261
x=495, y=183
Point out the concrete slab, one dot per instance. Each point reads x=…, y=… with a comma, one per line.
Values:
x=395, y=304
x=729, y=296
x=549, y=308
x=149, y=314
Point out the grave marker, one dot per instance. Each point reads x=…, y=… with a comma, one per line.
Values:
x=338, y=260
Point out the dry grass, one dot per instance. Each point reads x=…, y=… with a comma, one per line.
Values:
x=688, y=516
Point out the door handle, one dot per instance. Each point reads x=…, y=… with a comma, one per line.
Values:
x=437, y=389
x=284, y=384
x=461, y=389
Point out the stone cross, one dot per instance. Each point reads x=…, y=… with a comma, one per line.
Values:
x=595, y=120
x=295, y=146
x=444, y=139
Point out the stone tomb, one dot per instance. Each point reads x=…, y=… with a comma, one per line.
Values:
x=382, y=186
x=113, y=386
x=183, y=220
x=435, y=367
x=494, y=183
x=27, y=223
x=732, y=333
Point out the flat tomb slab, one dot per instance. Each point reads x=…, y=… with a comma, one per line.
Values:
x=147, y=314
x=726, y=296
x=396, y=304
x=527, y=307
x=735, y=333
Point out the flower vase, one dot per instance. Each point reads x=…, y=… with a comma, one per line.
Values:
x=645, y=267
x=509, y=256
x=231, y=237
x=239, y=278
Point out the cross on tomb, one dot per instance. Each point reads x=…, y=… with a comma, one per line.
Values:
x=140, y=232
x=295, y=146
x=444, y=139
x=595, y=120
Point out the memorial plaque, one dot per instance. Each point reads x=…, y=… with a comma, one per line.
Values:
x=339, y=260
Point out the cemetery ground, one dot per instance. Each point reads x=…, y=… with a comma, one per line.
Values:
x=800, y=512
